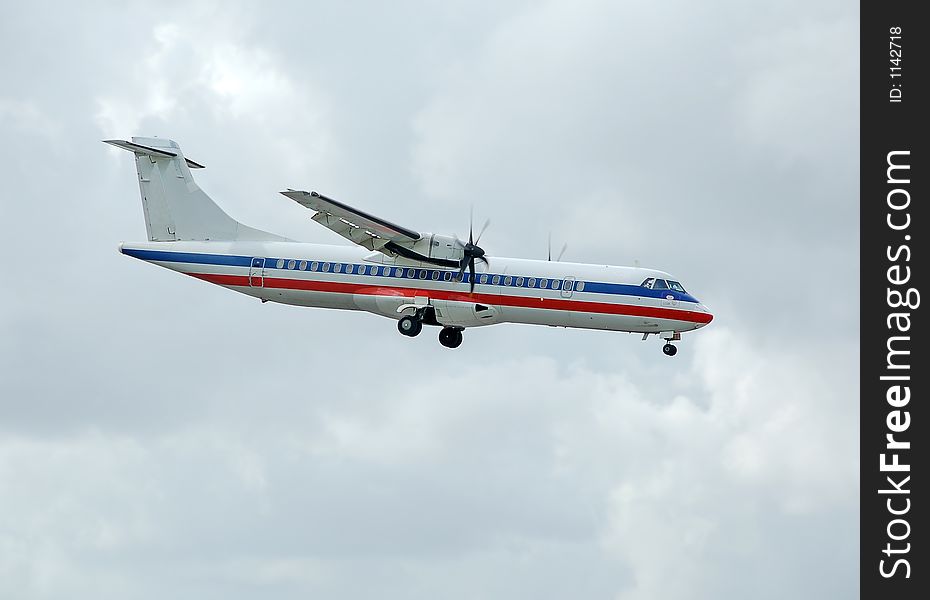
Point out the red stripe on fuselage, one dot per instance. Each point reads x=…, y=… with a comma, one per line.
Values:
x=501, y=300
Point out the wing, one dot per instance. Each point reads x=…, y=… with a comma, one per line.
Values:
x=356, y=226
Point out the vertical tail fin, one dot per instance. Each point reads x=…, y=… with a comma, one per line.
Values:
x=175, y=207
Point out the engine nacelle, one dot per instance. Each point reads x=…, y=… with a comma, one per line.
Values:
x=432, y=245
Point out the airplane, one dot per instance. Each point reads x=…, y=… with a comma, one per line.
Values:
x=414, y=277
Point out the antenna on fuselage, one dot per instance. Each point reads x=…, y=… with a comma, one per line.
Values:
x=549, y=254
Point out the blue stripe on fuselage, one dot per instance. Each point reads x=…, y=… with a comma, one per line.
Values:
x=593, y=287
x=625, y=289
x=190, y=257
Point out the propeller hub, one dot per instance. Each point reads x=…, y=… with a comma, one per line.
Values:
x=474, y=251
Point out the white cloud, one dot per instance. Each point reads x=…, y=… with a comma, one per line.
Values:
x=571, y=456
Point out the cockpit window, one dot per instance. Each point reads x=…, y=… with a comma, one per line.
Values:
x=648, y=283
x=676, y=286
x=660, y=285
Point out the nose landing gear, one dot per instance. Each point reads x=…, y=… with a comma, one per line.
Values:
x=669, y=337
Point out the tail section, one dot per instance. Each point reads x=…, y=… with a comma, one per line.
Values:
x=175, y=207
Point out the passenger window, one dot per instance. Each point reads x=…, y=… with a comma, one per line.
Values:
x=556, y=284
x=314, y=266
x=660, y=285
x=447, y=276
x=411, y=273
x=303, y=265
x=422, y=273
x=519, y=282
x=508, y=280
x=483, y=279
x=543, y=283
x=291, y=264
x=280, y=263
x=337, y=268
x=435, y=276
x=326, y=267
x=531, y=282
x=496, y=279
x=579, y=287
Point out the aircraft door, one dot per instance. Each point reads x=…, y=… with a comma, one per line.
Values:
x=568, y=286
x=257, y=272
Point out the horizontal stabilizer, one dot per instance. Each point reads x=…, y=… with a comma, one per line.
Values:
x=155, y=152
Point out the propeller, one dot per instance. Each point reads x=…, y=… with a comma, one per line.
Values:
x=471, y=252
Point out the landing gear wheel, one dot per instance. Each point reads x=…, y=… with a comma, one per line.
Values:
x=450, y=337
x=410, y=326
x=670, y=350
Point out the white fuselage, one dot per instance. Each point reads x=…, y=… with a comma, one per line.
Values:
x=508, y=290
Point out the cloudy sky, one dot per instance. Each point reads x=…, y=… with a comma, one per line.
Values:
x=160, y=437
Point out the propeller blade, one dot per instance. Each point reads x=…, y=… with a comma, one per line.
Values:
x=549, y=245
x=462, y=266
x=564, y=248
x=483, y=228
x=471, y=278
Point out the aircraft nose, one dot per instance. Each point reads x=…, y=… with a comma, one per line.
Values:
x=708, y=315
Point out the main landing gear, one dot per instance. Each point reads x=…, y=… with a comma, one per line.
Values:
x=450, y=337
x=412, y=325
